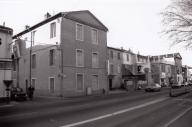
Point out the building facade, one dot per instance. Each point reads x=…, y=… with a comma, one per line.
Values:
x=74, y=59
x=5, y=59
x=162, y=69
x=129, y=69
x=114, y=68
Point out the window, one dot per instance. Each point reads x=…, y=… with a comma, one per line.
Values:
x=14, y=65
x=95, y=60
x=118, y=56
x=51, y=57
x=33, y=61
x=118, y=68
x=52, y=84
x=79, y=58
x=94, y=36
x=111, y=54
x=127, y=57
x=53, y=30
x=169, y=70
x=162, y=67
x=79, y=81
x=95, y=82
x=79, y=32
x=5, y=65
x=111, y=68
x=33, y=82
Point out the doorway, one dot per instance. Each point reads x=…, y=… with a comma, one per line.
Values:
x=110, y=83
x=26, y=85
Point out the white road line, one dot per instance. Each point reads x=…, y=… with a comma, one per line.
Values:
x=3, y=106
x=18, y=115
x=176, y=118
x=115, y=113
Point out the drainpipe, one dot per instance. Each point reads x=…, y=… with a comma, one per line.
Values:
x=61, y=66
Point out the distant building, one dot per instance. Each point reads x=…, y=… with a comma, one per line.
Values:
x=126, y=69
x=72, y=60
x=129, y=69
x=162, y=70
x=114, y=68
x=5, y=58
x=186, y=73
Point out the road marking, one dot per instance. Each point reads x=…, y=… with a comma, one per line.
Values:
x=3, y=106
x=183, y=99
x=179, y=116
x=115, y=113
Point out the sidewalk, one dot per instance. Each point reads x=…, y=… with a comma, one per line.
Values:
x=48, y=100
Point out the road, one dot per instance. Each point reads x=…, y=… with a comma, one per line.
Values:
x=136, y=109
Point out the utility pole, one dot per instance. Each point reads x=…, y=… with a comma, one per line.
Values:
x=30, y=53
x=30, y=57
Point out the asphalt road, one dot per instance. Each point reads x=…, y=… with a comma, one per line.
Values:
x=136, y=109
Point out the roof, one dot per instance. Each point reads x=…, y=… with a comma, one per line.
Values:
x=171, y=55
x=142, y=56
x=113, y=48
x=62, y=14
x=5, y=59
x=121, y=50
x=41, y=47
x=6, y=30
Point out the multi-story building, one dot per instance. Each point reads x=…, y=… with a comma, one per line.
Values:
x=143, y=74
x=123, y=69
x=129, y=69
x=73, y=58
x=114, y=69
x=5, y=59
x=186, y=73
x=162, y=69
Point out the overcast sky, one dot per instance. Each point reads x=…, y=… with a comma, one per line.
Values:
x=134, y=24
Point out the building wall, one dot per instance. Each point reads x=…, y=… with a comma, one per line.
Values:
x=163, y=71
x=65, y=70
x=131, y=58
x=69, y=44
x=4, y=47
x=42, y=34
x=117, y=78
x=5, y=54
x=42, y=72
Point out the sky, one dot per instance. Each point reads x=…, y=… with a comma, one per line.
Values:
x=132, y=24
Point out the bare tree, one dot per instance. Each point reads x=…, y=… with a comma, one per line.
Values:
x=177, y=19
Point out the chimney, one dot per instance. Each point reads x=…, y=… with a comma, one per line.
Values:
x=27, y=26
x=47, y=15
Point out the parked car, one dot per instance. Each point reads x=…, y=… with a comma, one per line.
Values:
x=164, y=85
x=18, y=94
x=176, y=86
x=190, y=82
x=153, y=88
